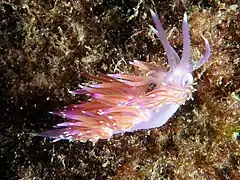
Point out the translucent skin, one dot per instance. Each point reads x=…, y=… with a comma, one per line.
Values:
x=126, y=102
x=179, y=76
x=157, y=118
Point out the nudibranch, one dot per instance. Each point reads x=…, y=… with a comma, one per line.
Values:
x=128, y=102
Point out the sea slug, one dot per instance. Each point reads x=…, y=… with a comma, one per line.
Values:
x=129, y=102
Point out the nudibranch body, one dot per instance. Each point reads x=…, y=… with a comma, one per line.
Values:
x=128, y=102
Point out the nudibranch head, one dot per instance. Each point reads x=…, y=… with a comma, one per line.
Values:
x=180, y=73
x=126, y=102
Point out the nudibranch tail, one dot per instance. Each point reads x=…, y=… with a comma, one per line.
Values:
x=128, y=102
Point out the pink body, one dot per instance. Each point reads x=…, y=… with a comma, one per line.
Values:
x=126, y=102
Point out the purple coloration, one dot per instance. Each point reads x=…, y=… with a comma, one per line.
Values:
x=125, y=102
x=172, y=56
x=207, y=53
x=157, y=118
